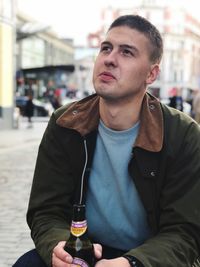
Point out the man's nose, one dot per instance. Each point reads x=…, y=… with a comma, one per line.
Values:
x=111, y=59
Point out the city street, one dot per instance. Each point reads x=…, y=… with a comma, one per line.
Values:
x=18, y=151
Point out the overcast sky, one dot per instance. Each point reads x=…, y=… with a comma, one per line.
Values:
x=76, y=18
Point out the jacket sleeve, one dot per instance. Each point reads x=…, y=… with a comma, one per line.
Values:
x=50, y=204
x=177, y=243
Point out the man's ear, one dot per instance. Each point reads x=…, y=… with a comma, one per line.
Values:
x=153, y=74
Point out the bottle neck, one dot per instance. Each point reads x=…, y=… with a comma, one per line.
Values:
x=79, y=223
x=78, y=213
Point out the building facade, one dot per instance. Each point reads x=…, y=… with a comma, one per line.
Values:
x=180, y=66
x=43, y=60
x=7, y=61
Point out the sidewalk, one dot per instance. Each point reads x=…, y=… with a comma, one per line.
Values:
x=15, y=137
x=18, y=152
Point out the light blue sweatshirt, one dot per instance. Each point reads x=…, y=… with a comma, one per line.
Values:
x=115, y=214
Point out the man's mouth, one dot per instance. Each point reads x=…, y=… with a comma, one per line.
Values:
x=106, y=76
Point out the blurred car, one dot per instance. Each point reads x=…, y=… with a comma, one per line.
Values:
x=68, y=100
x=40, y=108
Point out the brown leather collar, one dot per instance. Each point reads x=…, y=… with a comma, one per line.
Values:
x=83, y=116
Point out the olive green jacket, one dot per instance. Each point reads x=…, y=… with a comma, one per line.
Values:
x=165, y=168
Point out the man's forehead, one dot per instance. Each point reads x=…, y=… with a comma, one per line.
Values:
x=124, y=35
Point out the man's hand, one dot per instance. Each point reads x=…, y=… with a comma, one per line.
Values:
x=60, y=258
x=119, y=262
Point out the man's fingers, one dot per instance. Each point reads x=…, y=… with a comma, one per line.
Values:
x=63, y=259
x=97, y=250
x=56, y=262
x=61, y=254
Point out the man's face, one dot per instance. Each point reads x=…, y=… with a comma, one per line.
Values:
x=123, y=68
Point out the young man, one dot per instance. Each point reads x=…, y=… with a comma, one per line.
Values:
x=134, y=161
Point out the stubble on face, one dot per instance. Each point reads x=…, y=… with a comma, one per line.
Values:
x=129, y=73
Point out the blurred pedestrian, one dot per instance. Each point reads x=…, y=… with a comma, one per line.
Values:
x=56, y=101
x=29, y=110
x=196, y=106
x=175, y=99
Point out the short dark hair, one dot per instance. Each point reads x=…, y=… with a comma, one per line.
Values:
x=144, y=26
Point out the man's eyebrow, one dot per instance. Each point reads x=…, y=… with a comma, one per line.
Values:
x=105, y=43
x=123, y=46
x=131, y=47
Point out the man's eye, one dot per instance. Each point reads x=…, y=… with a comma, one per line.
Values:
x=105, y=49
x=127, y=52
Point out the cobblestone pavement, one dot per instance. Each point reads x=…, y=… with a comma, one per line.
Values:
x=18, y=151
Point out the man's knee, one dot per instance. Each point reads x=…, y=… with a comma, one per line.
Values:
x=30, y=259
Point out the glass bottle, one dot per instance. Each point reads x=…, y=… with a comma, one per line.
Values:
x=79, y=245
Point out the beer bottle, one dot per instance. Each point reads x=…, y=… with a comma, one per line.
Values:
x=79, y=245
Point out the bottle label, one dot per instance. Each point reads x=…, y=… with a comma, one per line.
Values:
x=80, y=262
x=78, y=228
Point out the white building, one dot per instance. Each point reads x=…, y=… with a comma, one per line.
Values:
x=39, y=51
x=180, y=66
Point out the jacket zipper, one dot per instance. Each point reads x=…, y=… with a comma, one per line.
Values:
x=83, y=173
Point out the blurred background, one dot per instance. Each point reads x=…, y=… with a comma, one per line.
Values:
x=47, y=52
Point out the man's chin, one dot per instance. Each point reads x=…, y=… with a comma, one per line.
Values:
x=107, y=96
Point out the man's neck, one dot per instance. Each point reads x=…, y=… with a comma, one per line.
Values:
x=120, y=116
